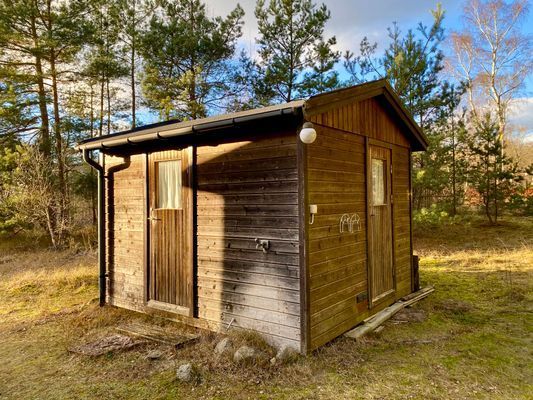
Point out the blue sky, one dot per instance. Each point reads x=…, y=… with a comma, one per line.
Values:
x=351, y=20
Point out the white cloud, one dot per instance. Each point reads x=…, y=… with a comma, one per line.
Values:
x=351, y=20
x=521, y=117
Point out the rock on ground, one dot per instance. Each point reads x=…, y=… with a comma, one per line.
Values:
x=286, y=354
x=154, y=355
x=245, y=353
x=187, y=373
x=224, y=346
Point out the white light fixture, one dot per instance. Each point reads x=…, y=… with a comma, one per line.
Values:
x=308, y=133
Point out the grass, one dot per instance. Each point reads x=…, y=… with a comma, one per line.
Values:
x=475, y=344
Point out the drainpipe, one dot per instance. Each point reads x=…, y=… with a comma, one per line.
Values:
x=101, y=224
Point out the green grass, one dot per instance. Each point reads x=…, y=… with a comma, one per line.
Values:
x=475, y=344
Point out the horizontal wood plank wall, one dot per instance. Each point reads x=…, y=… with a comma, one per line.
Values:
x=337, y=261
x=125, y=232
x=248, y=190
x=336, y=183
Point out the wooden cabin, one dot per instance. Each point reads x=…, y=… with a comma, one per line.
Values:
x=233, y=222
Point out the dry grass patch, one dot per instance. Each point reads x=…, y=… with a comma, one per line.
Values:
x=475, y=343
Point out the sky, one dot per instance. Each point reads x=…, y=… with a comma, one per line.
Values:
x=351, y=20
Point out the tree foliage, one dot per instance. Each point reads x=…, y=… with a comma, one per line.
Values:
x=186, y=56
x=290, y=42
x=413, y=64
x=76, y=69
x=493, y=56
x=492, y=173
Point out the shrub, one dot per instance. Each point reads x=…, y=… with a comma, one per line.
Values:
x=431, y=217
x=521, y=202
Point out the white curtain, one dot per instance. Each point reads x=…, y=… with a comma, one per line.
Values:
x=169, y=184
x=378, y=182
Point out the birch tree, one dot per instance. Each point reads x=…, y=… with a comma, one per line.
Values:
x=493, y=56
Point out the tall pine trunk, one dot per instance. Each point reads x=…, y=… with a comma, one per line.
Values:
x=454, y=173
x=92, y=172
x=102, y=88
x=108, y=94
x=132, y=72
x=45, y=144
x=44, y=133
x=58, y=140
x=133, y=99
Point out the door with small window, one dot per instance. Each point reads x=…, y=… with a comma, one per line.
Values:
x=380, y=246
x=170, y=231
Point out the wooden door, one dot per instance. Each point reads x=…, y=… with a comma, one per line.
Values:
x=380, y=246
x=170, y=233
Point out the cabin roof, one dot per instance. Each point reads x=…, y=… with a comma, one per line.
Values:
x=295, y=109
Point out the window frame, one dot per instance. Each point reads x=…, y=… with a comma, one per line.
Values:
x=385, y=182
x=180, y=183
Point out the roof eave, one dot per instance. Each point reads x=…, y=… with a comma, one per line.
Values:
x=201, y=126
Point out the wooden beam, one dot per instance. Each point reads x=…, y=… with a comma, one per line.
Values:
x=377, y=320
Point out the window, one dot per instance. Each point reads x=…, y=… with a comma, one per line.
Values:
x=169, y=184
x=378, y=182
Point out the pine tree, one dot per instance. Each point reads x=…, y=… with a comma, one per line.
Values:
x=132, y=16
x=186, y=58
x=64, y=31
x=492, y=173
x=39, y=40
x=290, y=37
x=323, y=76
x=248, y=80
x=441, y=170
x=413, y=64
x=22, y=63
x=16, y=105
x=104, y=64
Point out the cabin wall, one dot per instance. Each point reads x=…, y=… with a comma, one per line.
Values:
x=125, y=200
x=336, y=183
x=247, y=190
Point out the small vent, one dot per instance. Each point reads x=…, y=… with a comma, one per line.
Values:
x=362, y=297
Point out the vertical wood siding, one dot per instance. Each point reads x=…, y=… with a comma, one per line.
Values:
x=171, y=252
x=336, y=183
x=248, y=190
x=401, y=220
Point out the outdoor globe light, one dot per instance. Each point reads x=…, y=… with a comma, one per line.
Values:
x=308, y=133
